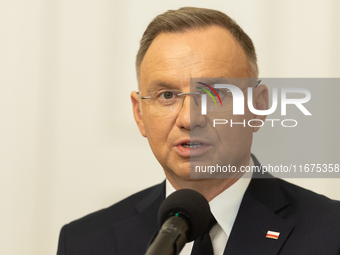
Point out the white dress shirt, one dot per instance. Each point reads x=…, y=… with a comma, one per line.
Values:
x=224, y=207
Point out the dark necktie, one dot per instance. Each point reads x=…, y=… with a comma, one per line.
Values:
x=203, y=245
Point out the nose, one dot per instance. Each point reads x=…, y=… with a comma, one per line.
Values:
x=189, y=115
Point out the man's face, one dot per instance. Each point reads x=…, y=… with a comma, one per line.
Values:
x=172, y=59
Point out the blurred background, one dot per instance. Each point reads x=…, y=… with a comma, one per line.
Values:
x=68, y=141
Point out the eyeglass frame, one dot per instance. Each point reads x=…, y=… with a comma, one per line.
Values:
x=195, y=93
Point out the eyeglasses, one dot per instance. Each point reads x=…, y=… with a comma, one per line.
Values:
x=169, y=102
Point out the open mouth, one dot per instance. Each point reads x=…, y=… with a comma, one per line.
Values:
x=192, y=145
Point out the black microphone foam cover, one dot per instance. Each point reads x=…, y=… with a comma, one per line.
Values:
x=190, y=204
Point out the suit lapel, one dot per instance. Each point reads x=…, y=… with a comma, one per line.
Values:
x=256, y=216
x=248, y=235
x=133, y=234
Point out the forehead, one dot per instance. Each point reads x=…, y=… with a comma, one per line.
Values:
x=174, y=58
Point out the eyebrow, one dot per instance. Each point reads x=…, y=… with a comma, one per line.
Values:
x=211, y=81
x=158, y=84
x=223, y=80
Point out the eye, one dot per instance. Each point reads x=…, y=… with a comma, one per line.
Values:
x=167, y=95
x=219, y=92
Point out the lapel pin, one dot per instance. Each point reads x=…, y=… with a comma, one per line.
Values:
x=273, y=235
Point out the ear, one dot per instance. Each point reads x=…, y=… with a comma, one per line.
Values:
x=261, y=102
x=135, y=100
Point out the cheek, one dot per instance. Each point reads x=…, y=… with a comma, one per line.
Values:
x=158, y=132
x=236, y=136
x=243, y=131
x=157, y=129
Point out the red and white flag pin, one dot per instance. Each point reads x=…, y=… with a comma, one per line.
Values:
x=273, y=235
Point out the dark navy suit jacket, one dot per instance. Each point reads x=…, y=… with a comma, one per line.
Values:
x=308, y=223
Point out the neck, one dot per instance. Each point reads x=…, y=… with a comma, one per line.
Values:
x=209, y=188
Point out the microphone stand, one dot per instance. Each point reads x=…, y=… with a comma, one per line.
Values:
x=170, y=239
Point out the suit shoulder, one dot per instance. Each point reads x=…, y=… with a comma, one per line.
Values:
x=95, y=233
x=304, y=199
x=108, y=216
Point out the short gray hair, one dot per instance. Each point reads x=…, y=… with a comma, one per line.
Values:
x=189, y=18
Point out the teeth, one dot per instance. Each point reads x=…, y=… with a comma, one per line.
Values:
x=192, y=145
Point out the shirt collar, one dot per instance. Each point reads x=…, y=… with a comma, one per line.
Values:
x=225, y=206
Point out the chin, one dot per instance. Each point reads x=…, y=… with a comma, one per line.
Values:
x=186, y=176
x=183, y=174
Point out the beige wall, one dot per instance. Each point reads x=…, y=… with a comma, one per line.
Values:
x=68, y=142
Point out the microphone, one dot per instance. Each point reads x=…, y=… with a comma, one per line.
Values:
x=183, y=217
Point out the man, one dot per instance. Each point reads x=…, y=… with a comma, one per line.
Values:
x=257, y=216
